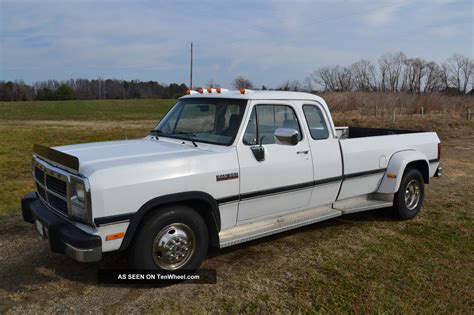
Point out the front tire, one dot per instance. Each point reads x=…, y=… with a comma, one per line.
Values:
x=409, y=198
x=173, y=238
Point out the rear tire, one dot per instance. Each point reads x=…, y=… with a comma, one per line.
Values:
x=173, y=238
x=409, y=198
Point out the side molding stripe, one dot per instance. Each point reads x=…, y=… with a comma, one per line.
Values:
x=113, y=219
x=285, y=189
x=256, y=194
x=366, y=173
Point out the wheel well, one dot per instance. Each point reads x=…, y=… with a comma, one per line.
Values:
x=208, y=210
x=202, y=208
x=422, y=166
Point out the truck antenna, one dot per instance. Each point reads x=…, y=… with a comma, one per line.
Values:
x=191, y=69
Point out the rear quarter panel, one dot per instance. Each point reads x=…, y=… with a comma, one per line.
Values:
x=374, y=153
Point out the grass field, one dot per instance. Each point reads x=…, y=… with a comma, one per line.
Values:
x=85, y=110
x=366, y=262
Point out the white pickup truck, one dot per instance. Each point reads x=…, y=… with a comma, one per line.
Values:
x=221, y=168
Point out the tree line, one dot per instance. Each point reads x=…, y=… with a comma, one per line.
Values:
x=84, y=89
x=393, y=72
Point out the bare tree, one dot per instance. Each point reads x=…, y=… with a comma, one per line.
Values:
x=344, y=78
x=434, y=77
x=393, y=67
x=365, y=75
x=415, y=70
x=242, y=83
x=459, y=70
x=324, y=76
x=383, y=68
x=467, y=72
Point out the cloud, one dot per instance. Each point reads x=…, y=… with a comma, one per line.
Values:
x=383, y=15
x=268, y=41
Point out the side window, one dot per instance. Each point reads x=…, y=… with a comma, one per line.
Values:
x=316, y=123
x=265, y=119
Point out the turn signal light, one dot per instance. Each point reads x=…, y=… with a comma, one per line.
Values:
x=114, y=236
x=391, y=175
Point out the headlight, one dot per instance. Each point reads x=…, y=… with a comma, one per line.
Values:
x=80, y=192
x=80, y=202
x=78, y=211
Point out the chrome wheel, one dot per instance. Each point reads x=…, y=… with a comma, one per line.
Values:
x=412, y=195
x=174, y=246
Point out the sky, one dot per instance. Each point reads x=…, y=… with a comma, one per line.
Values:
x=268, y=42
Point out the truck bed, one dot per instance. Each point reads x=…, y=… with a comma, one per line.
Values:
x=362, y=132
x=366, y=153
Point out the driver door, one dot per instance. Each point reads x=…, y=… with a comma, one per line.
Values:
x=283, y=180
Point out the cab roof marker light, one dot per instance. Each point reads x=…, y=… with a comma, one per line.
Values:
x=244, y=91
x=218, y=90
x=209, y=90
x=200, y=90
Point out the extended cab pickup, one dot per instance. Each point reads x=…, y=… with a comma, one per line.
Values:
x=221, y=168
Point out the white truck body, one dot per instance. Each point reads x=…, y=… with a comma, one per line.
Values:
x=295, y=185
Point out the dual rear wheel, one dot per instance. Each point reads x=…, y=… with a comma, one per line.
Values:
x=409, y=198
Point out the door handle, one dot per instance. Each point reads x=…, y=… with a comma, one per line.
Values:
x=302, y=152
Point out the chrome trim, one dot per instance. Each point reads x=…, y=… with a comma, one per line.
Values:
x=84, y=255
x=286, y=136
x=439, y=172
x=69, y=179
x=265, y=227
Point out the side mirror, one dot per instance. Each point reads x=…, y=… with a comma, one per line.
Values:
x=258, y=152
x=286, y=136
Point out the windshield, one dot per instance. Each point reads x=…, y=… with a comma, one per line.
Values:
x=213, y=121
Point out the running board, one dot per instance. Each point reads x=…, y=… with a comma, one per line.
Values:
x=364, y=203
x=257, y=229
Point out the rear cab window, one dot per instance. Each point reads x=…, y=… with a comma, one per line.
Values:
x=316, y=122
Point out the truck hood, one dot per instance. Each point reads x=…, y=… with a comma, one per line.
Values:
x=98, y=155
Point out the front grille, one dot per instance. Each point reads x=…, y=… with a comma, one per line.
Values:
x=57, y=203
x=52, y=187
x=41, y=191
x=56, y=185
x=39, y=175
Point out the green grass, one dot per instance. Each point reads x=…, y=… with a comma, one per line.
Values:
x=86, y=110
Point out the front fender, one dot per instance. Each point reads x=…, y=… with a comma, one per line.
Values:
x=396, y=166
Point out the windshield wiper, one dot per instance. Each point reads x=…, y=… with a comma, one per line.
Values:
x=156, y=132
x=189, y=134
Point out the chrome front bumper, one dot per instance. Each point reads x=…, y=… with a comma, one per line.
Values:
x=63, y=236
